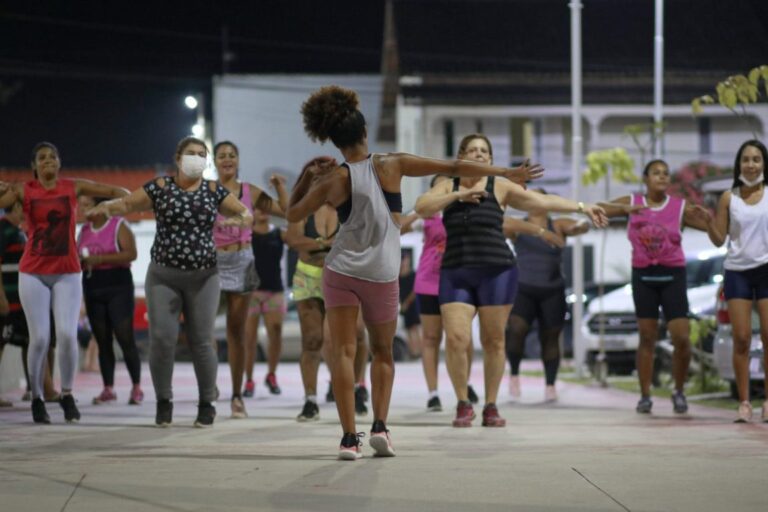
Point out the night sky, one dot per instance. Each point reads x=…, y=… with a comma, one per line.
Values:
x=105, y=81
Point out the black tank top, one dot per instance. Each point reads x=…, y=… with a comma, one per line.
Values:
x=540, y=264
x=475, y=237
x=267, y=252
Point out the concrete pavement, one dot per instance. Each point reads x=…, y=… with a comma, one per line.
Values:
x=588, y=452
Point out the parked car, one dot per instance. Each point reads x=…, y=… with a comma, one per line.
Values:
x=723, y=350
x=619, y=323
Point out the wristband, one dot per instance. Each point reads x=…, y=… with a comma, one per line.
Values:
x=581, y=207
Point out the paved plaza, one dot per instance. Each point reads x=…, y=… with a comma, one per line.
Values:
x=589, y=452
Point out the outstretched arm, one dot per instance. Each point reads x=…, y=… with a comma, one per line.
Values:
x=136, y=201
x=96, y=189
x=10, y=193
x=512, y=227
x=517, y=197
x=412, y=165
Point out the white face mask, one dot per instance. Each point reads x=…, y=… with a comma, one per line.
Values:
x=751, y=183
x=193, y=165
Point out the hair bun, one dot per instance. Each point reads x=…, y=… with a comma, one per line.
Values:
x=326, y=108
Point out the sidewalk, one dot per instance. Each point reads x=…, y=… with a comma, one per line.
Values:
x=589, y=452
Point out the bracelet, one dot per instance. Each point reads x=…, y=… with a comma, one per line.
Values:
x=320, y=242
x=581, y=207
x=541, y=232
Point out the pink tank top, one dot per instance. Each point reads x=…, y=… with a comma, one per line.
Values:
x=428, y=272
x=228, y=235
x=655, y=233
x=101, y=241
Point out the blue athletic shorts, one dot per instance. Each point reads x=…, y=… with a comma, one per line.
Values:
x=479, y=286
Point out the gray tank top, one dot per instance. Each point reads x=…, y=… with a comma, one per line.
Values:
x=540, y=264
x=367, y=245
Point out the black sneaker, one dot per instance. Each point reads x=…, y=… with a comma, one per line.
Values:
x=164, y=413
x=434, y=405
x=71, y=414
x=679, y=402
x=360, y=407
x=329, y=395
x=471, y=395
x=349, y=449
x=39, y=414
x=205, y=414
x=364, y=392
x=644, y=405
x=310, y=412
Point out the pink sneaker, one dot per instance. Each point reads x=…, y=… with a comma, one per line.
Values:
x=137, y=396
x=349, y=449
x=464, y=415
x=550, y=394
x=491, y=417
x=107, y=395
x=380, y=440
x=514, y=387
x=744, y=414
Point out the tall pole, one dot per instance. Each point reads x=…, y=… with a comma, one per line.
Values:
x=658, y=80
x=579, y=350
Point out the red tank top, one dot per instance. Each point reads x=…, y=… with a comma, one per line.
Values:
x=50, y=219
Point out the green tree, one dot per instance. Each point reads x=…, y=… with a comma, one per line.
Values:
x=736, y=93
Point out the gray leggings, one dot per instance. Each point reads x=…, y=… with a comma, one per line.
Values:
x=39, y=294
x=170, y=291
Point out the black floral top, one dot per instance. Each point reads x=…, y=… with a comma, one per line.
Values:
x=184, y=237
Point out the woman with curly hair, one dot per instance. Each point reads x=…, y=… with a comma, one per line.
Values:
x=362, y=267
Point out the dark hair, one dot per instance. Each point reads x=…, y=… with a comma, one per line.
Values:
x=332, y=113
x=737, y=164
x=647, y=168
x=37, y=148
x=186, y=141
x=225, y=143
x=469, y=138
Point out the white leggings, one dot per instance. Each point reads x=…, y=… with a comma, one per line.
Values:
x=39, y=294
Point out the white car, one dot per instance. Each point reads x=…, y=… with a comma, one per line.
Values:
x=722, y=350
x=620, y=337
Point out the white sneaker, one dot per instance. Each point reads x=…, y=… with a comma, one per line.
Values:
x=744, y=413
x=514, y=387
x=550, y=394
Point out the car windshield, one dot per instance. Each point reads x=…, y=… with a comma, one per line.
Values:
x=700, y=272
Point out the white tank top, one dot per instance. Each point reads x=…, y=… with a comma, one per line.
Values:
x=367, y=245
x=748, y=233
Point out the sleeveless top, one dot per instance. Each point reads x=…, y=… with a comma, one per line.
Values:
x=475, y=237
x=102, y=241
x=50, y=216
x=367, y=245
x=184, y=236
x=228, y=235
x=655, y=233
x=748, y=233
x=428, y=270
x=267, y=253
x=540, y=264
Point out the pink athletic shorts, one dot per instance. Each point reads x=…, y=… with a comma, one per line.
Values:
x=380, y=302
x=263, y=301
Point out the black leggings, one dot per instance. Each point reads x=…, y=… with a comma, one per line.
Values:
x=110, y=310
x=547, y=306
